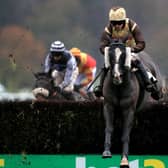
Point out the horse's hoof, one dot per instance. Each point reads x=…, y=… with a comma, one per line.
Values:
x=124, y=166
x=106, y=154
x=124, y=162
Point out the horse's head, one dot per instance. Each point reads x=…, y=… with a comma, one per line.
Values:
x=116, y=61
x=43, y=85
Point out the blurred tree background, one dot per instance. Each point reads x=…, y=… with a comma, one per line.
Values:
x=28, y=27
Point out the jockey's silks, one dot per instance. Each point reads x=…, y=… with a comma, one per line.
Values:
x=125, y=32
x=86, y=66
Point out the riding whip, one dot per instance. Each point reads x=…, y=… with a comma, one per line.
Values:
x=95, y=79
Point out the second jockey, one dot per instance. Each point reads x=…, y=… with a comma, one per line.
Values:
x=87, y=69
x=62, y=66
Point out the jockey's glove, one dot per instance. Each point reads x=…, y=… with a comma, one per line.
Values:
x=77, y=87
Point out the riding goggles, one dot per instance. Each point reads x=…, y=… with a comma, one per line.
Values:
x=56, y=54
x=114, y=23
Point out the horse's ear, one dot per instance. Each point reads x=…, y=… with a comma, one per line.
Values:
x=38, y=74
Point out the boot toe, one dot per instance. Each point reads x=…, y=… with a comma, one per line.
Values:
x=156, y=95
x=98, y=91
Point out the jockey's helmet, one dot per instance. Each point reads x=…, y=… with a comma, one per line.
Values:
x=117, y=14
x=57, y=47
x=75, y=51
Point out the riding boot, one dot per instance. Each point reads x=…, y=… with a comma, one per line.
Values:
x=149, y=84
x=98, y=90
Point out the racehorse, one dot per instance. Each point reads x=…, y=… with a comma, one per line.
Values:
x=122, y=90
x=44, y=89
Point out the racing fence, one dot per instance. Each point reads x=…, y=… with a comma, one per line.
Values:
x=76, y=127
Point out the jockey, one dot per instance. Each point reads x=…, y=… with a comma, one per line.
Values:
x=87, y=70
x=125, y=29
x=61, y=64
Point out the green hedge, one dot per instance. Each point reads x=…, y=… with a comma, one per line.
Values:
x=76, y=127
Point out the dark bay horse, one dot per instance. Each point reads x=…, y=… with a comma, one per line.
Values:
x=123, y=94
x=44, y=89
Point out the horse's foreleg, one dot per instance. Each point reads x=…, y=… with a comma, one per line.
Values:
x=108, y=115
x=128, y=116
